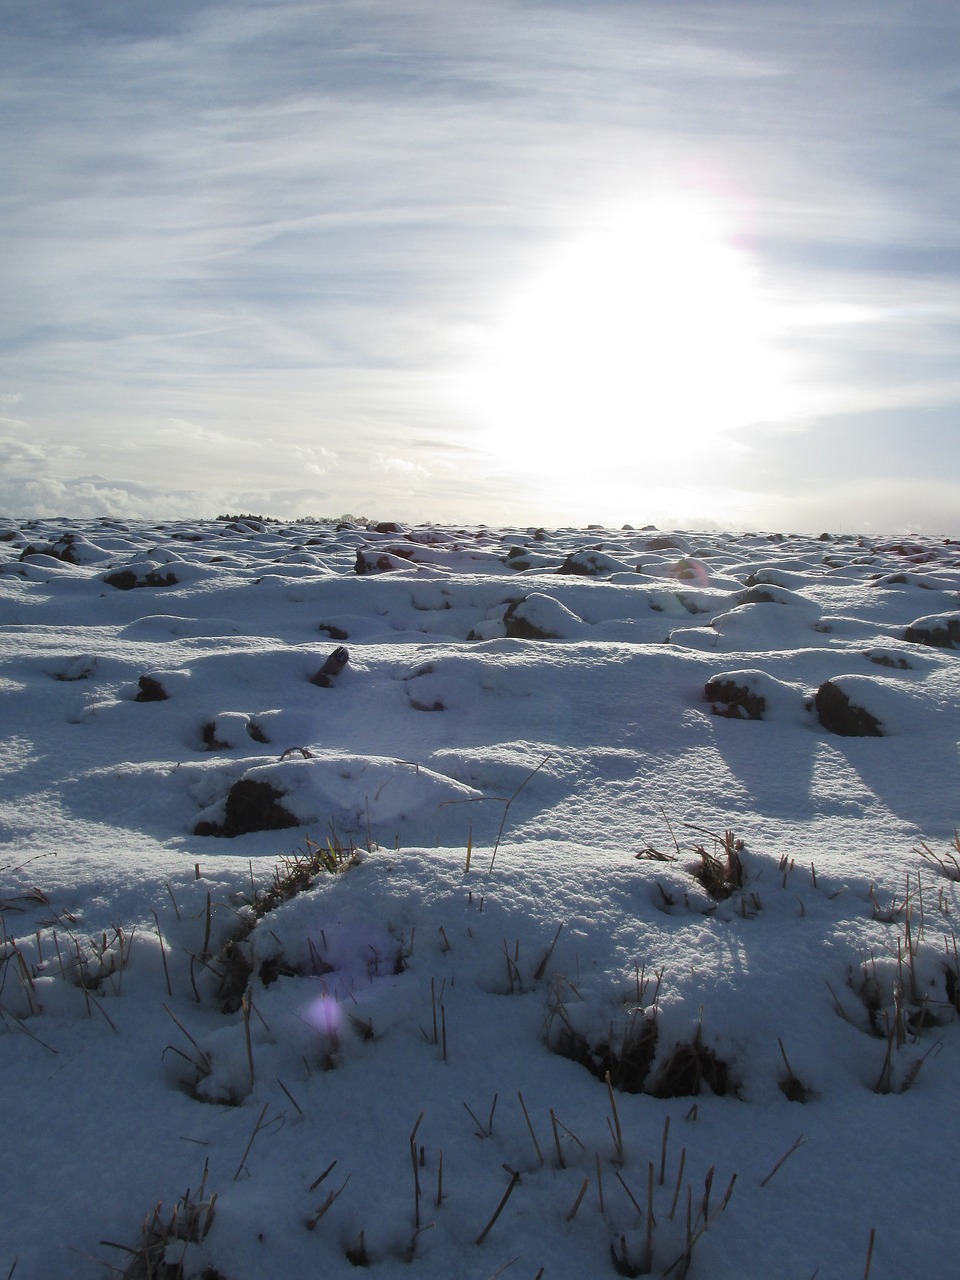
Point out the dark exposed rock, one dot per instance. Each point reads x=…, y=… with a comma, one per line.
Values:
x=127, y=579
x=758, y=595
x=582, y=564
x=246, y=524
x=430, y=537
x=841, y=716
x=734, y=700
x=518, y=562
x=151, y=690
x=331, y=668
x=772, y=593
x=942, y=631
x=383, y=561
x=74, y=548
x=592, y=563
x=693, y=605
x=64, y=549
x=685, y=571
x=762, y=578
x=521, y=559
x=81, y=668
x=210, y=740
x=883, y=658
x=913, y=551
x=251, y=806
x=426, y=702
x=519, y=628
x=333, y=631
x=122, y=579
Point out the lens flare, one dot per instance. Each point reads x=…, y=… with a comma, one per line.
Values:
x=688, y=570
x=324, y=1015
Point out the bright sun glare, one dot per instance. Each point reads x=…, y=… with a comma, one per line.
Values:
x=642, y=339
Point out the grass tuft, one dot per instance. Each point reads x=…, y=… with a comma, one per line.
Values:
x=689, y=1068
x=948, y=863
x=721, y=869
x=625, y=1055
x=189, y=1223
x=293, y=875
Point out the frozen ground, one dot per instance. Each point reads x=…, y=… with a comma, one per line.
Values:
x=524, y=751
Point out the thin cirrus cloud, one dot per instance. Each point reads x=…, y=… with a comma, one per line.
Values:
x=257, y=247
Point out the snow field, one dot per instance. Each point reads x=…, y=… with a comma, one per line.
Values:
x=555, y=715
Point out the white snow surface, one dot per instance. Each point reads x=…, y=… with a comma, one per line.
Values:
x=521, y=771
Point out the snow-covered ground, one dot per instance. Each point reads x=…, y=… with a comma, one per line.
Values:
x=523, y=753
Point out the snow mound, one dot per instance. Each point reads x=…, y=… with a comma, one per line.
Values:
x=360, y=798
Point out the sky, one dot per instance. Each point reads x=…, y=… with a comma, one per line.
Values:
x=504, y=261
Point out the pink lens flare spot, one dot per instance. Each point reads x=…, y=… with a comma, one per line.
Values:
x=324, y=1014
x=691, y=571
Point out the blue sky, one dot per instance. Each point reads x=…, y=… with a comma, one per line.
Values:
x=540, y=263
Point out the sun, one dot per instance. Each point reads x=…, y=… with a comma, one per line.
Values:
x=641, y=339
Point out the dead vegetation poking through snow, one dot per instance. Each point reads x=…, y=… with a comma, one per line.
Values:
x=947, y=863
x=907, y=989
x=164, y=1251
x=293, y=874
